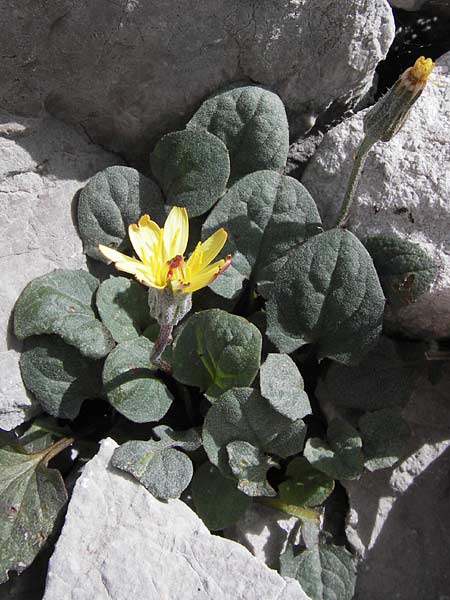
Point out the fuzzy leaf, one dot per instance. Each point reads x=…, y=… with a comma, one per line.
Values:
x=61, y=303
x=58, y=375
x=242, y=414
x=192, y=167
x=123, y=308
x=217, y=500
x=112, y=200
x=325, y=572
x=384, y=435
x=385, y=377
x=31, y=497
x=341, y=457
x=131, y=384
x=327, y=294
x=215, y=351
x=188, y=440
x=164, y=471
x=266, y=216
x=405, y=270
x=250, y=466
x=305, y=486
x=252, y=123
x=282, y=385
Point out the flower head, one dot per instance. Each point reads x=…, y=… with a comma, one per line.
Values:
x=416, y=76
x=160, y=252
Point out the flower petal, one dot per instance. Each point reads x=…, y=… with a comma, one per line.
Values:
x=176, y=232
x=125, y=263
x=206, y=251
x=144, y=236
x=207, y=275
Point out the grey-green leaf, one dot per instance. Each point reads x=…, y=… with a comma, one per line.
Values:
x=384, y=435
x=192, y=167
x=385, y=377
x=266, y=216
x=188, y=440
x=61, y=302
x=31, y=497
x=327, y=294
x=215, y=351
x=112, y=200
x=131, y=384
x=282, y=385
x=123, y=308
x=165, y=472
x=305, y=486
x=252, y=123
x=58, y=375
x=217, y=500
x=243, y=414
x=339, y=458
x=250, y=466
x=405, y=270
x=325, y=572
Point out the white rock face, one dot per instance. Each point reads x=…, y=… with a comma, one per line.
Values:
x=404, y=191
x=131, y=71
x=119, y=542
x=265, y=532
x=42, y=165
x=399, y=519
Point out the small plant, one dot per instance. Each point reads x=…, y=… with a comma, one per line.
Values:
x=223, y=409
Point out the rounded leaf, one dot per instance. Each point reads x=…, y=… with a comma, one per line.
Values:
x=266, y=215
x=123, y=308
x=192, y=167
x=215, y=351
x=252, y=123
x=58, y=375
x=131, y=384
x=328, y=294
x=217, y=500
x=61, y=302
x=112, y=200
x=164, y=472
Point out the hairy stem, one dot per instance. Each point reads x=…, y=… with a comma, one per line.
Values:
x=355, y=176
x=162, y=341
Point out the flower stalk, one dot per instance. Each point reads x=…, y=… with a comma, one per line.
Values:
x=384, y=120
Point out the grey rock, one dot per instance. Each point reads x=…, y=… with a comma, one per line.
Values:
x=265, y=532
x=42, y=165
x=404, y=191
x=119, y=542
x=129, y=71
x=399, y=520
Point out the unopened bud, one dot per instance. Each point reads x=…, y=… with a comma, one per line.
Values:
x=388, y=115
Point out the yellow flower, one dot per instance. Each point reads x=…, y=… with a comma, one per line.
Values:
x=415, y=78
x=161, y=251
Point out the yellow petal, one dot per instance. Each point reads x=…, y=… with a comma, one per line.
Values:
x=125, y=263
x=144, y=236
x=176, y=232
x=207, y=251
x=207, y=275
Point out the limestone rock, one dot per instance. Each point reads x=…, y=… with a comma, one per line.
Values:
x=399, y=520
x=129, y=71
x=119, y=542
x=265, y=532
x=42, y=165
x=404, y=191
x=408, y=4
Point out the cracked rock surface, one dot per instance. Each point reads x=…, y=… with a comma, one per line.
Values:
x=118, y=541
x=404, y=191
x=43, y=163
x=129, y=71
